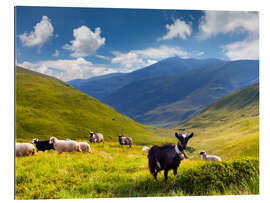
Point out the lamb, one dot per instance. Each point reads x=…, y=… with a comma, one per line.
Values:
x=42, y=145
x=168, y=156
x=206, y=157
x=24, y=149
x=95, y=137
x=64, y=145
x=85, y=147
x=125, y=140
x=145, y=149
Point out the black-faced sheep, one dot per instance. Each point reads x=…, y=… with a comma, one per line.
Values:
x=42, y=145
x=168, y=156
x=24, y=149
x=95, y=137
x=65, y=145
x=125, y=140
x=206, y=157
x=85, y=147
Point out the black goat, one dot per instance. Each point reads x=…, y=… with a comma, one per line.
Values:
x=42, y=145
x=168, y=156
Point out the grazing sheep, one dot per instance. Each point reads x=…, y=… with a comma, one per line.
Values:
x=42, y=145
x=85, y=147
x=168, y=156
x=206, y=157
x=125, y=140
x=145, y=149
x=95, y=137
x=24, y=149
x=65, y=145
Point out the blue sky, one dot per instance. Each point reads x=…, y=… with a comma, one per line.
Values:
x=70, y=43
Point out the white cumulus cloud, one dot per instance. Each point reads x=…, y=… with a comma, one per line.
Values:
x=68, y=69
x=178, y=29
x=222, y=22
x=246, y=49
x=136, y=59
x=233, y=22
x=42, y=32
x=85, y=42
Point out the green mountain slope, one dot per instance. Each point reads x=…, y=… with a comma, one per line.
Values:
x=228, y=127
x=48, y=107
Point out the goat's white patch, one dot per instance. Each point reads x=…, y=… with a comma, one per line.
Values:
x=177, y=150
x=184, y=135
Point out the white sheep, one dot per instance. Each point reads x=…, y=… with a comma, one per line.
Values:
x=206, y=157
x=145, y=149
x=24, y=149
x=85, y=147
x=65, y=145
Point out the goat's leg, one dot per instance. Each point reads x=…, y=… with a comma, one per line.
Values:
x=155, y=175
x=175, y=171
x=166, y=175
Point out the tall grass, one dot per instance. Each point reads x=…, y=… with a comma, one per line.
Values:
x=115, y=171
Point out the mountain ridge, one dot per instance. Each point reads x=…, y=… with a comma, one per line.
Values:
x=163, y=99
x=170, y=66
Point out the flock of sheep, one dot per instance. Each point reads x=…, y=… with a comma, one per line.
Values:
x=68, y=145
x=26, y=149
x=166, y=157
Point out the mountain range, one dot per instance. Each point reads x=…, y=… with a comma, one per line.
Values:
x=46, y=106
x=103, y=86
x=172, y=90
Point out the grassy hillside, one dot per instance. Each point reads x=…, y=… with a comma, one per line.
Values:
x=114, y=171
x=228, y=127
x=48, y=107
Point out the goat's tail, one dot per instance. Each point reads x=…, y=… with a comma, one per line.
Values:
x=151, y=162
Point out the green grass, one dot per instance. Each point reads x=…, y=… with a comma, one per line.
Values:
x=115, y=171
x=48, y=107
x=229, y=127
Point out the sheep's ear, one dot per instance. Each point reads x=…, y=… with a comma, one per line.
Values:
x=177, y=136
x=191, y=135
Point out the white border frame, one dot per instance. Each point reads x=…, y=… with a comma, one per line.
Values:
x=7, y=85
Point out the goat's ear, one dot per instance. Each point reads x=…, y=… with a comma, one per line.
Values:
x=191, y=135
x=177, y=136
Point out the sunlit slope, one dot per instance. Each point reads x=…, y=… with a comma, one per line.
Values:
x=228, y=127
x=47, y=107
